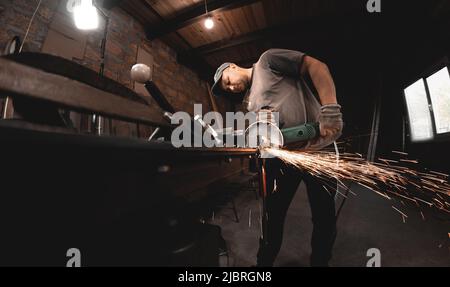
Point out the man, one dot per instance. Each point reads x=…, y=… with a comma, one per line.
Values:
x=277, y=83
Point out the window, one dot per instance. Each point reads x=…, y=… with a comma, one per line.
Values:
x=428, y=104
x=439, y=86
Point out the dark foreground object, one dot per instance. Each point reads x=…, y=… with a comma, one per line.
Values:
x=121, y=202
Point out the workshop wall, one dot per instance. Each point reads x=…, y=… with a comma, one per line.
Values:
x=181, y=85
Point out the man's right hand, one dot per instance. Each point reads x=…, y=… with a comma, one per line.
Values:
x=331, y=126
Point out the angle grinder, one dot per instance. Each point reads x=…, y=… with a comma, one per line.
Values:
x=265, y=134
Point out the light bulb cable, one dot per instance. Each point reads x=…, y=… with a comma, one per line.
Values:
x=29, y=25
x=206, y=7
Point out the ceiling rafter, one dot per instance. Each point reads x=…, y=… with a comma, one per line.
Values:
x=193, y=14
x=270, y=33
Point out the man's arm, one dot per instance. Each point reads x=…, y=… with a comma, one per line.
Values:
x=321, y=77
x=330, y=117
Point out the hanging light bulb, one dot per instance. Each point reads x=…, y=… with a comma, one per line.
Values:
x=85, y=15
x=209, y=23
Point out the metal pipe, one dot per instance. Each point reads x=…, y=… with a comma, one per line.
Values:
x=99, y=123
x=154, y=134
x=5, y=109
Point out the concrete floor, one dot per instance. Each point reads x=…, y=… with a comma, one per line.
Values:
x=366, y=221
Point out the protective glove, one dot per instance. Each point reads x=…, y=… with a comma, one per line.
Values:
x=331, y=125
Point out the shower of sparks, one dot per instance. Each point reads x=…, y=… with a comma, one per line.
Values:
x=386, y=177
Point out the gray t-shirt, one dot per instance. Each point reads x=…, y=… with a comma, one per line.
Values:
x=278, y=85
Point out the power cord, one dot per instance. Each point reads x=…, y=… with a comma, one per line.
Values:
x=337, y=185
x=29, y=26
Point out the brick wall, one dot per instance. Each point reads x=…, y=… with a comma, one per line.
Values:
x=181, y=85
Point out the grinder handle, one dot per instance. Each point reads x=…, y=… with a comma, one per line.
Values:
x=301, y=133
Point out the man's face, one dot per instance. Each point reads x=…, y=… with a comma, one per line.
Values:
x=233, y=80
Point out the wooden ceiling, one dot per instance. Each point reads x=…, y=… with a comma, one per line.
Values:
x=243, y=28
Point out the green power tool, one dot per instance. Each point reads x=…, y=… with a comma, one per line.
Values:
x=301, y=133
x=263, y=134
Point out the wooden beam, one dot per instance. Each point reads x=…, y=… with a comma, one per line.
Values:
x=267, y=34
x=145, y=14
x=264, y=34
x=17, y=80
x=154, y=12
x=193, y=14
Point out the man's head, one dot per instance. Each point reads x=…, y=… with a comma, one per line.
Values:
x=230, y=78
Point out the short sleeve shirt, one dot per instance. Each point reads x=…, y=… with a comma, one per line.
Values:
x=277, y=85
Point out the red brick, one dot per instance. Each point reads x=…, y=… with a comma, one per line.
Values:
x=113, y=49
x=93, y=54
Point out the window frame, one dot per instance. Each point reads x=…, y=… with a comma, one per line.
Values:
x=444, y=63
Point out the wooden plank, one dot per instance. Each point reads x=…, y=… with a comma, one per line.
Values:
x=154, y=151
x=170, y=8
x=21, y=80
x=18, y=124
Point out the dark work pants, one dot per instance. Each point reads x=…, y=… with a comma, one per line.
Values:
x=282, y=183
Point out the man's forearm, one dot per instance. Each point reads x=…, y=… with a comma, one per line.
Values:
x=322, y=80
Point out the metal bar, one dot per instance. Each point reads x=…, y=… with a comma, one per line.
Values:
x=154, y=134
x=5, y=109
